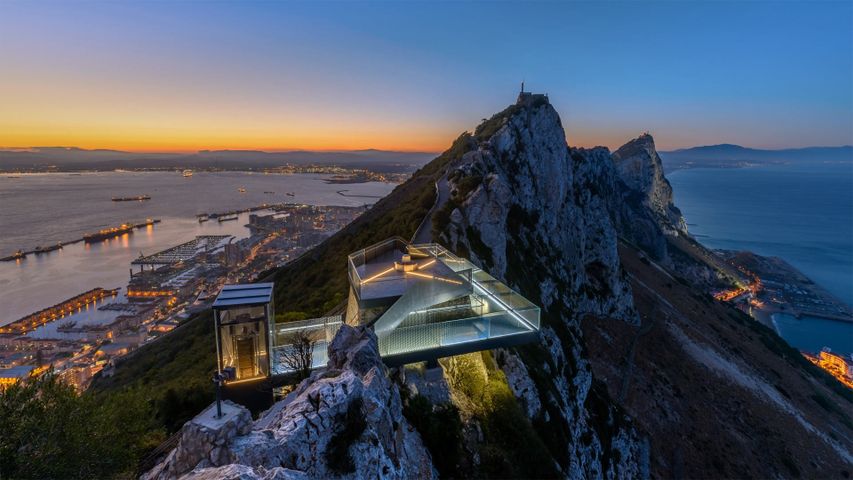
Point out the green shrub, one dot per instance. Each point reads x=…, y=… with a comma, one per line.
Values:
x=511, y=448
x=440, y=428
x=49, y=431
x=467, y=185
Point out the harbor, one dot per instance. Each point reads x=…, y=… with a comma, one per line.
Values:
x=164, y=274
x=80, y=339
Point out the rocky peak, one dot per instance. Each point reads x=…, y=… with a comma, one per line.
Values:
x=343, y=422
x=532, y=213
x=515, y=203
x=641, y=170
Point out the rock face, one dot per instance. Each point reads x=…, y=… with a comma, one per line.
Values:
x=345, y=422
x=205, y=441
x=640, y=169
x=538, y=216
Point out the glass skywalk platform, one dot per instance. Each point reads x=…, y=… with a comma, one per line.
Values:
x=426, y=303
x=422, y=301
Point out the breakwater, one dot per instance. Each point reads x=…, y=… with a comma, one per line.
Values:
x=89, y=238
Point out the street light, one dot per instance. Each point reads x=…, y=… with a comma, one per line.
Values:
x=218, y=380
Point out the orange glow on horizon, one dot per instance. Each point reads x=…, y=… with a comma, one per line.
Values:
x=190, y=135
x=143, y=146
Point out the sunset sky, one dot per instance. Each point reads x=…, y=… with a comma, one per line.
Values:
x=183, y=76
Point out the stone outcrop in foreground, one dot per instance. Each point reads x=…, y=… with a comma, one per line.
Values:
x=344, y=422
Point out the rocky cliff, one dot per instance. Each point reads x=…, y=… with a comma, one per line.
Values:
x=343, y=422
x=532, y=213
x=641, y=170
x=548, y=220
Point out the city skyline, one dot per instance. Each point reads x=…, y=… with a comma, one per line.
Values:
x=183, y=77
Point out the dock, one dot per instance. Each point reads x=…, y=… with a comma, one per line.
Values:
x=184, y=251
x=60, y=310
x=89, y=237
x=344, y=194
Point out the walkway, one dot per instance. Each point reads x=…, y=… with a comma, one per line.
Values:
x=424, y=232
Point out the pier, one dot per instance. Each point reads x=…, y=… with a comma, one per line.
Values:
x=202, y=217
x=89, y=238
x=184, y=251
x=67, y=307
x=344, y=194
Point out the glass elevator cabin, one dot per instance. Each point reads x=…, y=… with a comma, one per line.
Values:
x=244, y=316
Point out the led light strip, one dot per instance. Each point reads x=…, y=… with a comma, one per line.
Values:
x=377, y=275
x=434, y=277
x=427, y=264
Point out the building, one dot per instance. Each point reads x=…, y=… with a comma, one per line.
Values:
x=531, y=99
x=234, y=255
x=423, y=303
x=113, y=350
x=13, y=375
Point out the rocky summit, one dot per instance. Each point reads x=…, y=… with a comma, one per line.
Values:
x=638, y=372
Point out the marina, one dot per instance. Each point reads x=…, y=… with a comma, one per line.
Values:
x=60, y=310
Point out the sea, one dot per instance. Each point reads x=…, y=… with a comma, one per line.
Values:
x=43, y=209
x=800, y=212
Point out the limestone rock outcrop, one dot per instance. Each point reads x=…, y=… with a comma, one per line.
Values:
x=343, y=422
x=205, y=441
x=641, y=170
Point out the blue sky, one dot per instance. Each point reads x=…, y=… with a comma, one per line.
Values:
x=410, y=75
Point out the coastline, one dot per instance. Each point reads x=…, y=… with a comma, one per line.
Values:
x=765, y=317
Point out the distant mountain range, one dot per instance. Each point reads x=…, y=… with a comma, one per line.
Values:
x=73, y=158
x=729, y=156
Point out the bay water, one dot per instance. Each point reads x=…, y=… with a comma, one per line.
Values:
x=800, y=212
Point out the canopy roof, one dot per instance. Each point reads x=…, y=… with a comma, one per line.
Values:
x=244, y=294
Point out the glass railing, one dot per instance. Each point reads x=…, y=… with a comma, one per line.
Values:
x=320, y=332
x=360, y=258
x=506, y=298
x=466, y=330
x=318, y=329
x=420, y=320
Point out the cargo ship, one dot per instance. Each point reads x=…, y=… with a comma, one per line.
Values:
x=116, y=231
x=139, y=198
x=225, y=218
